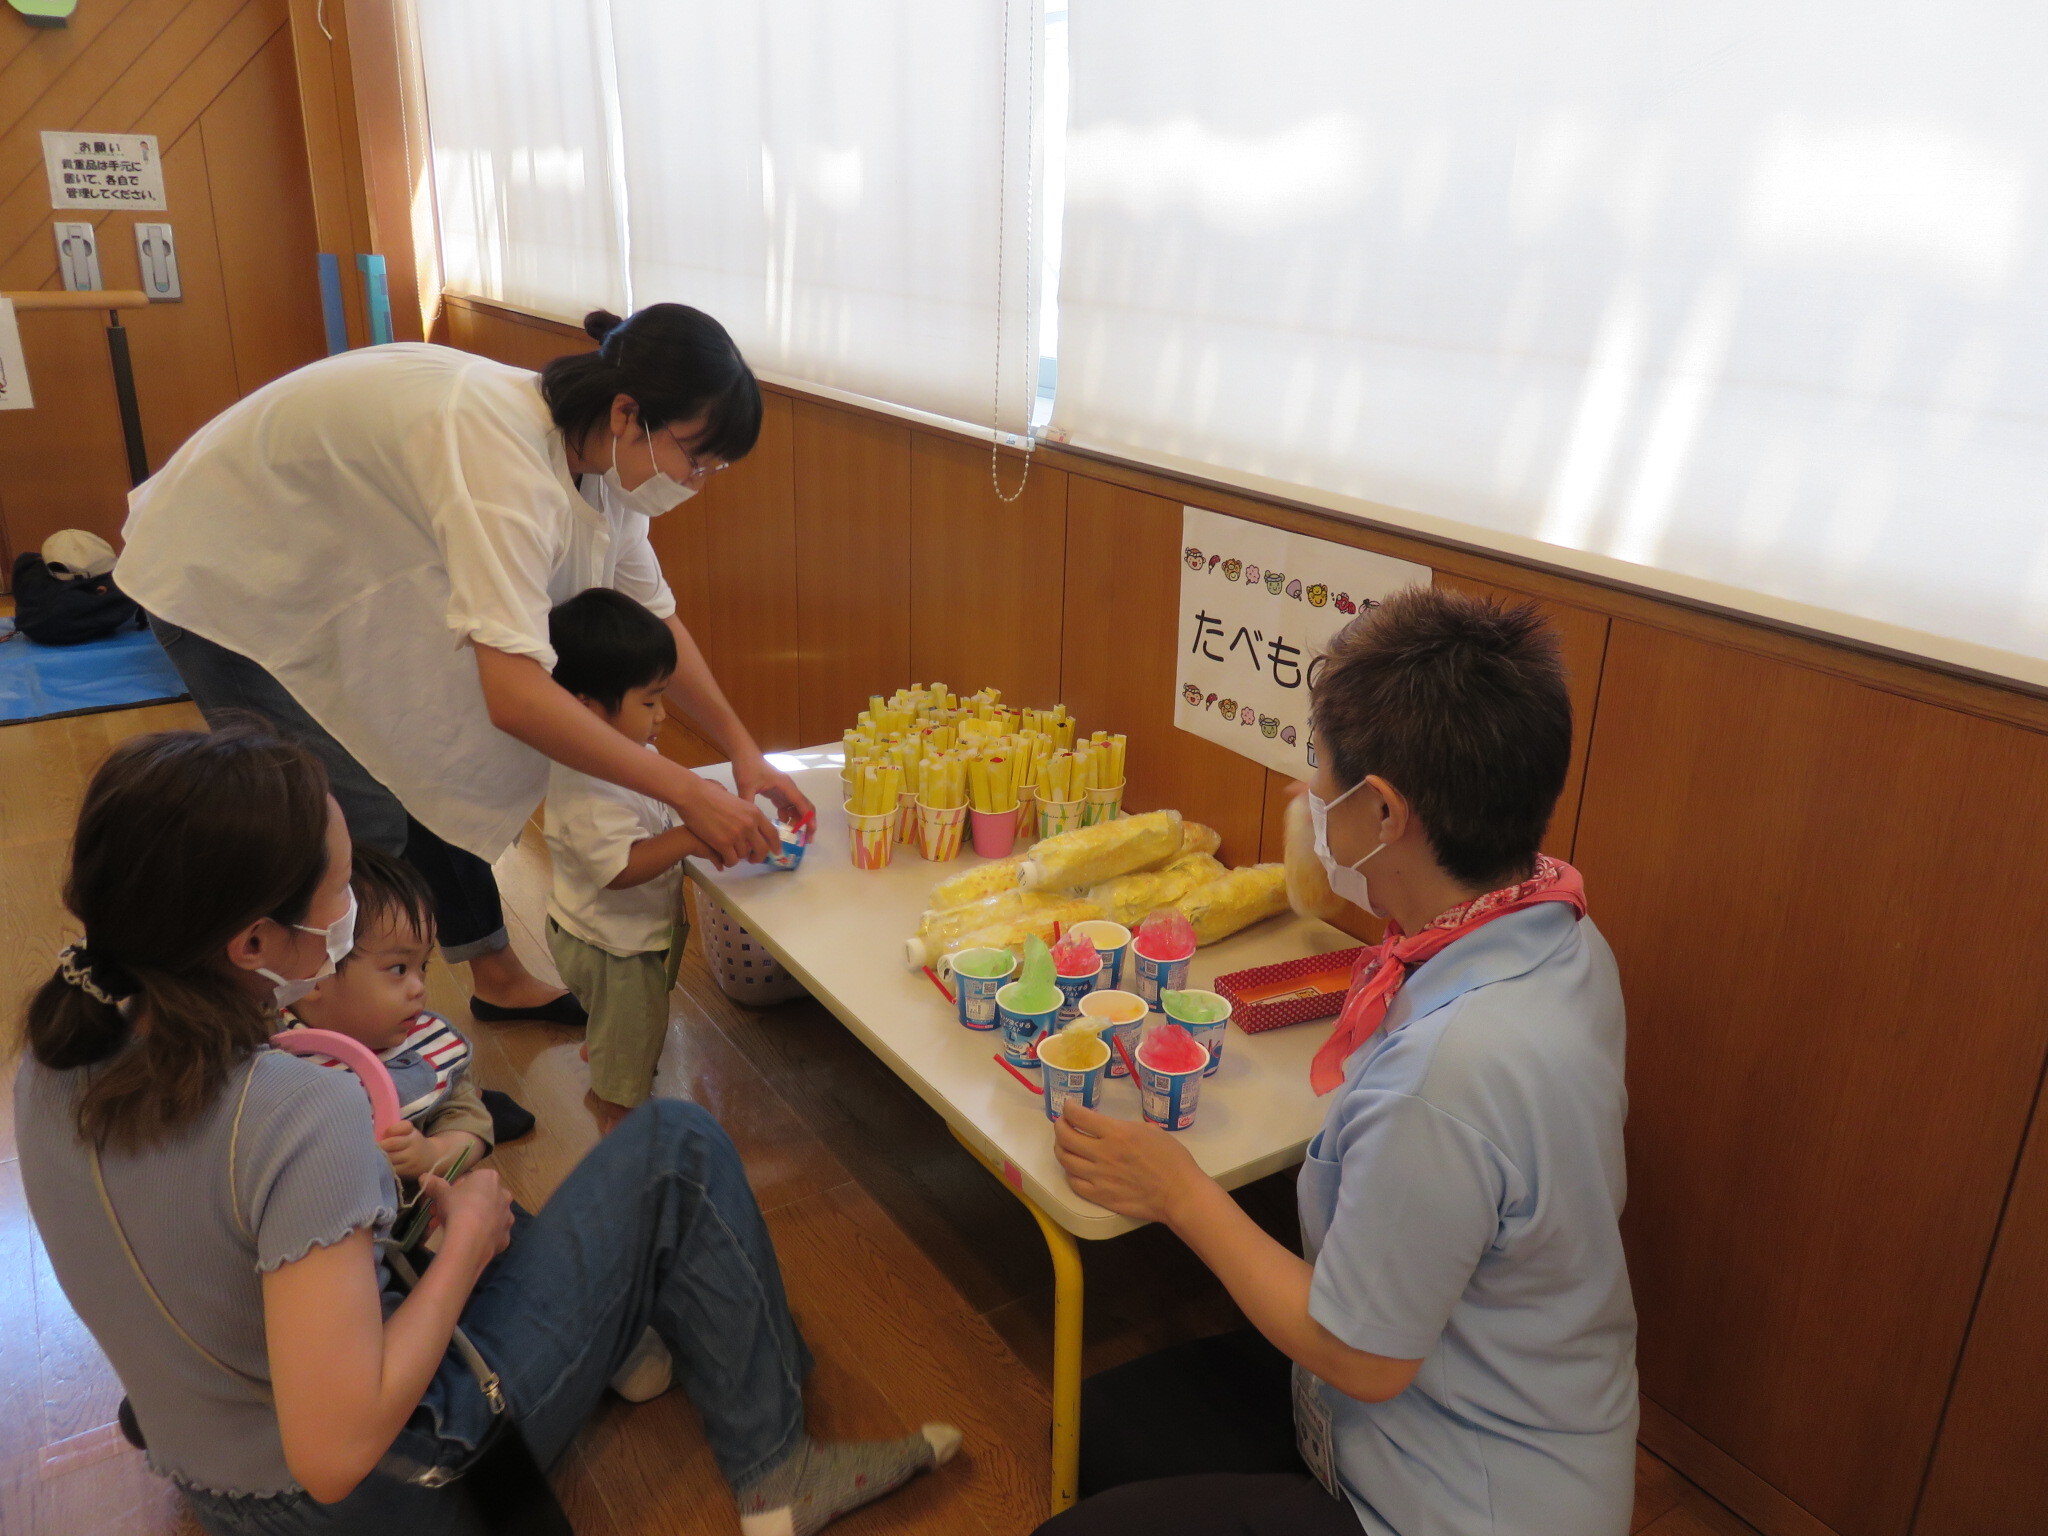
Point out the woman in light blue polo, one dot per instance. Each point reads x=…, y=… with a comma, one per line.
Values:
x=1457, y=1347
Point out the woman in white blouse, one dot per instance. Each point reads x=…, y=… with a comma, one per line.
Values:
x=365, y=551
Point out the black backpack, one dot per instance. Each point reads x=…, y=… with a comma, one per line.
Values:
x=54, y=612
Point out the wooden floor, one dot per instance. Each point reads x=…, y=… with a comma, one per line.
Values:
x=922, y=1286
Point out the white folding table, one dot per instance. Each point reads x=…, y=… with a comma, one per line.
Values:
x=840, y=930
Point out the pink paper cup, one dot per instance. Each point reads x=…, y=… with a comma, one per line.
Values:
x=1169, y=1098
x=939, y=831
x=872, y=839
x=995, y=832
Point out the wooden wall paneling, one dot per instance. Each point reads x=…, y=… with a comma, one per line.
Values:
x=1829, y=944
x=332, y=149
x=151, y=66
x=397, y=165
x=852, y=484
x=264, y=213
x=1990, y=1474
x=987, y=578
x=1117, y=662
x=1582, y=641
x=510, y=337
x=730, y=554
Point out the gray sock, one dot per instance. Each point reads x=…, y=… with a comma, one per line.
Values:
x=821, y=1480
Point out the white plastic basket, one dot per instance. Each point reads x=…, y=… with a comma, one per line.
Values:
x=743, y=969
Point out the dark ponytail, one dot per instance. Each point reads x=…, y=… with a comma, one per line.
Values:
x=676, y=363
x=185, y=839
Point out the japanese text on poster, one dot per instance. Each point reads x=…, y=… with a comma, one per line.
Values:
x=1257, y=607
x=104, y=170
x=14, y=395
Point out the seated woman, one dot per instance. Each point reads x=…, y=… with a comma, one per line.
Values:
x=212, y=1206
x=1461, y=1334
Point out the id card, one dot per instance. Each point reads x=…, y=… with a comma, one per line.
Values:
x=1312, y=1434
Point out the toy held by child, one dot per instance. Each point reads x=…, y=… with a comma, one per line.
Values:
x=375, y=997
x=614, y=922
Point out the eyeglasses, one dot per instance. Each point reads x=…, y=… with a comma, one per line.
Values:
x=699, y=470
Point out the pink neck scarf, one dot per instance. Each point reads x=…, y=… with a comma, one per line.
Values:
x=1384, y=968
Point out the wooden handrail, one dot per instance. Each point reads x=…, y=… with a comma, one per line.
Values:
x=96, y=298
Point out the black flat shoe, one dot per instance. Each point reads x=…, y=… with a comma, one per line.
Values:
x=563, y=1010
x=510, y=1119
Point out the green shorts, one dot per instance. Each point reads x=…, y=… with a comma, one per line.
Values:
x=626, y=997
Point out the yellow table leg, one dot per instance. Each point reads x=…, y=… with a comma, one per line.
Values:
x=1066, y=1341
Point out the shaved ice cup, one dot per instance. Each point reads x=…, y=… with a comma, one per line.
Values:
x=872, y=838
x=1156, y=976
x=1110, y=1004
x=1075, y=988
x=939, y=831
x=1057, y=816
x=1208, y=1033
x=974, y=995
x=1022, y=1031
x=1110, y=941
x=1074, y=1065
x=1169, y=1098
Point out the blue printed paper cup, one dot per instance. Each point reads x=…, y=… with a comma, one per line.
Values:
x=1155, y=976
x=793, y=845
x=1082, y=1083
x=1022, y=1031
x=1209, y=1036
x=1169, y=1098
x=1073, y=989
x=974, y=997
x=1107, y=1003
x=1111, y=940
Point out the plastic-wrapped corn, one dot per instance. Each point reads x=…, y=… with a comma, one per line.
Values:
x=1241, y=898
x=942, y=922
x=1196, y=838
x=1041, y=916
x=1129, y=897
x=1308, y=888
x=1091, y=855
x=978, y=883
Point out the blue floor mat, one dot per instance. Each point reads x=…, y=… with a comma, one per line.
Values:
x=41, y=681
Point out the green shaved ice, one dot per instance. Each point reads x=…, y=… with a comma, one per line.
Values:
x=1194, y=1007
x=982, y=967
x=1036, y=971
x=1035, y=997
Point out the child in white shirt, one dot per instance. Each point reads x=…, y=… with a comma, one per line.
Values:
x=614, y=924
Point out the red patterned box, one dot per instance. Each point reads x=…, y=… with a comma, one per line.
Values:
x=1292, y=992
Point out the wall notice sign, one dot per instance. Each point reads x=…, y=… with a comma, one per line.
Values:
x=104, y=170
x=1257, y=607
x=14, y=395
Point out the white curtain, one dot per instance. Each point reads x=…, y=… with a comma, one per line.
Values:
x=830, y=180
x=526, y=172
x=1749, y=292
x=848, y=187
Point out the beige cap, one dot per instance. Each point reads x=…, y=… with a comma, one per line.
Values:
x=74, y=552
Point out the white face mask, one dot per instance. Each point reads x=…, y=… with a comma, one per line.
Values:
x=339, y=936
x=1347, y=880
x=658, y=493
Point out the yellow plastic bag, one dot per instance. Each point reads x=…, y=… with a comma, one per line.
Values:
x=1090, y=855
x=1196, y=838
x=1308, y=888
x=1055, y=912
x=1129, y=897
x=1241, y=898
x=978, y=883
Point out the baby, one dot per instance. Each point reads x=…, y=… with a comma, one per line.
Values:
x=613, y=924
x=375, y=997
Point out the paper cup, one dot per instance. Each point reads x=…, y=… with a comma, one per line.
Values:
x=1080, y=1082
x=1103, y=805
x=1073, y=989
x=1151, y=977
x=974, y=997
x=906, y=816
x=1169, y=1098
x=1208, y=1036
x=1027, y=811
x=939, y=831
x=873, y=838
x=1057, y=816
x=1110, y=941
x=995, y=832
x=1022, y=1031
x=794, y=843
x=1106, y=1003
